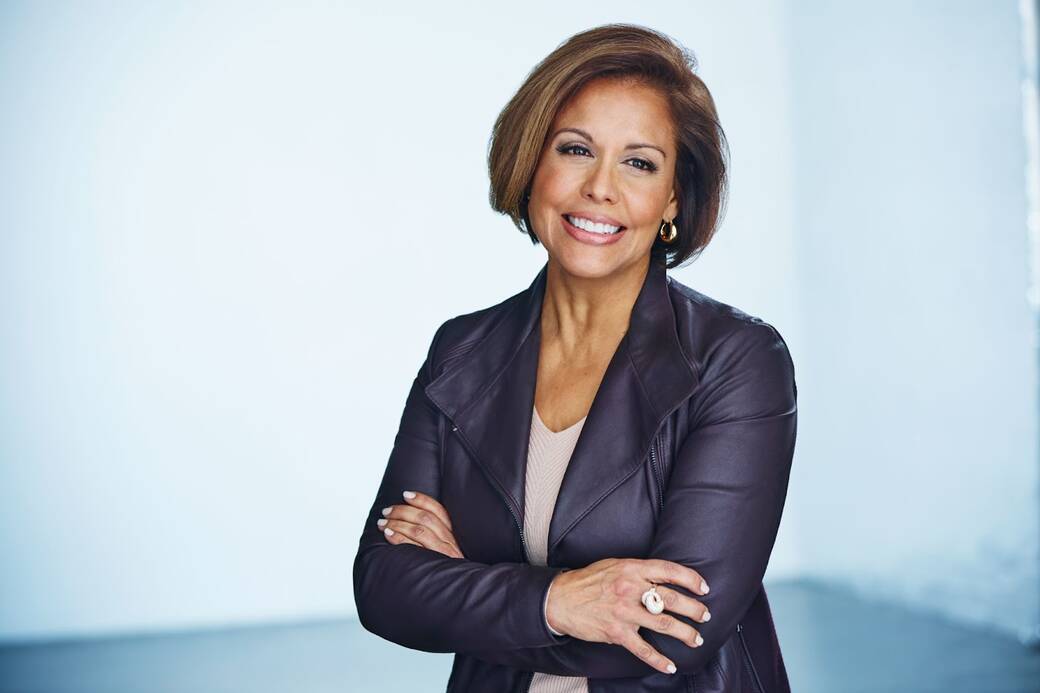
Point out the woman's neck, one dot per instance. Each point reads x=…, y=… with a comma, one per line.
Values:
x=581, y=314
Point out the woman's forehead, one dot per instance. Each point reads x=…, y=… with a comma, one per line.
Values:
x=605, y=110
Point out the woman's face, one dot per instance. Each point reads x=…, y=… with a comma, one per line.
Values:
x=610, y=158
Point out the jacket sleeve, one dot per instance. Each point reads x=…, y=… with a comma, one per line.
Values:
x=421, y=598
x=722, y=506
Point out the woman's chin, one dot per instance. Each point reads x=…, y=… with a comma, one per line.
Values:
x=591, y=265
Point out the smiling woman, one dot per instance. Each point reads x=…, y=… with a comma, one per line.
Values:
x=575, y=464
x=642, y=105
x=630, y=178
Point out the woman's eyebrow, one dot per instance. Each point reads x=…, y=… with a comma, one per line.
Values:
x=634, y=145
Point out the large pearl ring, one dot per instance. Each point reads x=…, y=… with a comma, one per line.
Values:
x=653, y=602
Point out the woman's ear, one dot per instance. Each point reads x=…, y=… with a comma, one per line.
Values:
x=672, y=210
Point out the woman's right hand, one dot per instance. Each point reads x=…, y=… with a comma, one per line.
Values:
x=602, y=603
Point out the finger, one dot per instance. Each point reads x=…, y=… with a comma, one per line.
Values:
x=396, y=537
x=642, y=649
x=424, y=537
x=659, y=570
x=679, y=603
x=430, y=504
x=421, y=517
x=667, y=624
x=421, y=536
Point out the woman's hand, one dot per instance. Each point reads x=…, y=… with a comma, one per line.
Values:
x=602, y=603
x=422, y=521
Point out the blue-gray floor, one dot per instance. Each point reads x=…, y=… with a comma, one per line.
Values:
x=832, y=643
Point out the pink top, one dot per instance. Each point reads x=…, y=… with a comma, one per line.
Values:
x=547, y=458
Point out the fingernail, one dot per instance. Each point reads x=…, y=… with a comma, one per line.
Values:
x=381, y=522
x=704, y=587
x=388, y=531
x=409, y=495
x=386, y=511
x=699, y=641
x=671, y=668
x=707, y=616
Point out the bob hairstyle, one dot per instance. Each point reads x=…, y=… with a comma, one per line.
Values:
x=630, y=53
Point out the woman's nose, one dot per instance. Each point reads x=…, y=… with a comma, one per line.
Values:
x=600, y=185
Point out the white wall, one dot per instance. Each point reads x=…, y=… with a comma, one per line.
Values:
x=227, y=237
x=918, y=476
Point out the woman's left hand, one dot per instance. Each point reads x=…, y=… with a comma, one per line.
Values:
x=421, y=520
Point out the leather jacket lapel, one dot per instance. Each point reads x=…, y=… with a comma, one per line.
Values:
x=489, y=396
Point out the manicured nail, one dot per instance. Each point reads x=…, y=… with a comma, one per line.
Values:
x=381, y=522
x=699, y=641
x=707, y=616
x=386, y=511
x=409, y=495
x=704, y=587
x=671, y=668
x=388, y=531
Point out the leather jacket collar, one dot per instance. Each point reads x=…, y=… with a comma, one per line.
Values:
x=489, y=397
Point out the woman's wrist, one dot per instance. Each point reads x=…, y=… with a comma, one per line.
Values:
x=545, y=612
x=545, y=605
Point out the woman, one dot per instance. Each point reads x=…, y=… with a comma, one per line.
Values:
x=577, y=464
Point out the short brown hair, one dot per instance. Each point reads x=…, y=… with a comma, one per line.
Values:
x=624, y=51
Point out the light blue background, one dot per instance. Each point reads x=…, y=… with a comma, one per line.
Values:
x=228, y=232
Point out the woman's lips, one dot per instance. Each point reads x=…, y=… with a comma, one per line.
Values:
x=589, y=237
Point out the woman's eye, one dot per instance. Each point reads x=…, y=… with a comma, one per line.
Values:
x=649, y=165
x=567, y=149
x=642, y=164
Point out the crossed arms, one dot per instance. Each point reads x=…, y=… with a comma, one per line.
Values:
x=721, y=514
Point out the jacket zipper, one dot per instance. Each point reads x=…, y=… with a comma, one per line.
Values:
x=747, y=655
x=658, y=475
x=519, y=525
x=526, y=685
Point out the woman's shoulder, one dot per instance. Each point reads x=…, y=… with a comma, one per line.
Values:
x=716, y=335
x=459, y=334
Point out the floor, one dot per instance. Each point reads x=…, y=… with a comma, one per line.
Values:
x=832, y=643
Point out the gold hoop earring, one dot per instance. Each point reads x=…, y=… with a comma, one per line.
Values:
x=672, y=231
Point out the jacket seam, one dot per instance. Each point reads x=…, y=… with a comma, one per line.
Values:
x=455, y=350
x=474, y=343
x=694, y=367
x=433, y=360
x=719, y=670
x=717, y=307
x=642, y=386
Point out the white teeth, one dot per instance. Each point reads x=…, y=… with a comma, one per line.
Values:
x=587, y=225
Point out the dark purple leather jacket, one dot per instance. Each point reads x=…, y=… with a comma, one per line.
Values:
x=685, y=456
